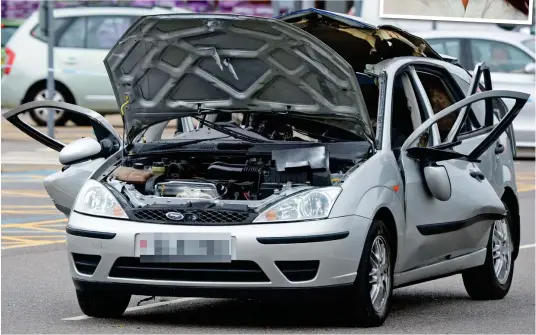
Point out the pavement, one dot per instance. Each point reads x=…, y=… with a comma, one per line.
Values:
x=38, y=295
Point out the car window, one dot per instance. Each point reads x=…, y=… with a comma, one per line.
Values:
x=7, y=32
x=529, y=43
x=500, y=57
x=440, y=97
x=59, y=25
x=75, y=35
x=450, y=47
x=104, y=31
x=95, y=32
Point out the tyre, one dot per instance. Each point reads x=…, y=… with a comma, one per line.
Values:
x=102, y=304
x=373, y=287
x=492, y=280
x=40, y=115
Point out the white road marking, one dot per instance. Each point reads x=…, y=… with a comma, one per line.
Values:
x=138, y=308
x=526, y=246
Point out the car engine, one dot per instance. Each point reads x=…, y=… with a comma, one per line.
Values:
x=209, y=177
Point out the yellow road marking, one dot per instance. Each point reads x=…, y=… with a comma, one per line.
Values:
x=33, y=176
x=28, y=206
x=16, y=239
x=25, y=168
x=32, y=244
x=36, y=236
x=30, y=212
x=525, y=188
x=32, y=224
x=20, y=179
x=18, y=193
x=46, y=229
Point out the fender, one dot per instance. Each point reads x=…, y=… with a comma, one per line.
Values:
x=379, y=197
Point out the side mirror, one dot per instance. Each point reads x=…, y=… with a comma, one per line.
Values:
x=530, y=68
x=438, y=182
x=80, y=150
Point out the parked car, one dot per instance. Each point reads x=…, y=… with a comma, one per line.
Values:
x=84, y=37
x=511, y=58
x=319, y=166
x=8, y=28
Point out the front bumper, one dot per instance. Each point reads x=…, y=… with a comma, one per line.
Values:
x=335, y=245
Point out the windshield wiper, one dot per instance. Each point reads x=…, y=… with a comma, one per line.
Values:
x=225, y=130
x=173, y=146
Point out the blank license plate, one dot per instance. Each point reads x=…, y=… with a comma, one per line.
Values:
x=185, y=248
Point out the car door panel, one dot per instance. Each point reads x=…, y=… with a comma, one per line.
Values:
x=63, y=186
x=441, y=230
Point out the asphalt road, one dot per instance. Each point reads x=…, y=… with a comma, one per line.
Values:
x=38, y=295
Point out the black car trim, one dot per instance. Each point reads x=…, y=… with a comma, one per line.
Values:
x=89, y=233
x=303, y=239
x=447, y=227
x=211, y=292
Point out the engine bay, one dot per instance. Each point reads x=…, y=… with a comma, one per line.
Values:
x=191, y=176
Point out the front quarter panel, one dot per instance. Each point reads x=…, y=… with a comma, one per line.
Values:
x=63, y=186
x=370, y=188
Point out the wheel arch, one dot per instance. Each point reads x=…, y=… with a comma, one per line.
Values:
x=386, y=216
x=69, y=96
x=510, y=199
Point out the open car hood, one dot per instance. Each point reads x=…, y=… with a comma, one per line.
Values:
x=170, y=66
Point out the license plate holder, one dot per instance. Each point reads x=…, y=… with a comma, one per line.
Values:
x=184, y=247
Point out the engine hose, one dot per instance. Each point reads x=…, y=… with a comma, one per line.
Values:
x=149, y=185
x=220, y=170
x=174, y=170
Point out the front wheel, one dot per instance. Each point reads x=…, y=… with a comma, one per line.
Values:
x=492, y=280
x=373, y=287
x=102, y=304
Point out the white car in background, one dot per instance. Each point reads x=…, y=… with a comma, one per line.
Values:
x=516, y=72
x=84, y=37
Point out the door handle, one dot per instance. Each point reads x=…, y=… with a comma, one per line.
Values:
x=477, y=175
x=499, y=148
x=70, y=61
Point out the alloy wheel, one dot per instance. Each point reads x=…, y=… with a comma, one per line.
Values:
x=501, y=250
x=42, y=113
x=380, y=274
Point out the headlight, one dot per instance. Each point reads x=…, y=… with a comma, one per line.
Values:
x=95, y=199
x=310, y=205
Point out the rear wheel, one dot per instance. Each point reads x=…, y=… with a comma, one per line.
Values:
x=493, y=279
x=373, y=287
x=40, y=115
x=102, y=304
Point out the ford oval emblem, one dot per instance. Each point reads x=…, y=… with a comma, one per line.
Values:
x=174, y=216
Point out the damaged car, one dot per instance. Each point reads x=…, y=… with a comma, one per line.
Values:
x=318, y=154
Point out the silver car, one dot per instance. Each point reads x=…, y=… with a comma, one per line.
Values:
x=511, y=58
x=327, y=160
x=84, y=36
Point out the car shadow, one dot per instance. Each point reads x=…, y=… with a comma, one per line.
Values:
x=295, y=314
